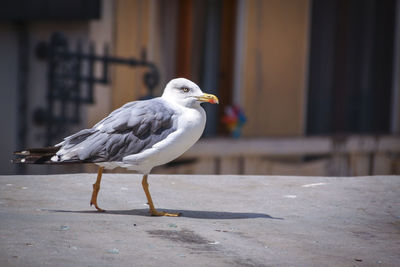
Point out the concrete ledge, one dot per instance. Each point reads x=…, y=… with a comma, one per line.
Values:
x=226, y=221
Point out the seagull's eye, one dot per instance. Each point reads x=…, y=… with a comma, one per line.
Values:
x=185, y=89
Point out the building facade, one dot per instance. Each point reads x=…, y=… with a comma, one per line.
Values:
x=297, y=68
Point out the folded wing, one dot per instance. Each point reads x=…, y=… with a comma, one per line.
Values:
x=131, y=129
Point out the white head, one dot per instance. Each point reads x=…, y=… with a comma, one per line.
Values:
x=186, y=93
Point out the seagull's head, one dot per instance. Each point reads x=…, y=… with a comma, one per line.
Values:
x=186, y=93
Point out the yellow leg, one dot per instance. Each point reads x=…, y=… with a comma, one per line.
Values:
x=96, y=189
x=153, y=211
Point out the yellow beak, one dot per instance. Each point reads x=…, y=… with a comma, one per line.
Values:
x=208, y=98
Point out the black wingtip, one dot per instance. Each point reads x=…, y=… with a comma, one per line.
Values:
x=38, y=151
x=17, y=161
x=22, y=153
x=40, y=155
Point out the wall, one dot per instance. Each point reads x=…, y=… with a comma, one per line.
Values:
x=275, y=65
x=101, y=32
x=8, y=95
x=150, y=25
x=131, y=36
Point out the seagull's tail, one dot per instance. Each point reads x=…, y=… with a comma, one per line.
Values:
x=36, y=155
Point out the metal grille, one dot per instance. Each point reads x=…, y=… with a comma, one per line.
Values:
x=71, y=81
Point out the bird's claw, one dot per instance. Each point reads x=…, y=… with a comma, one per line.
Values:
x=97, y=207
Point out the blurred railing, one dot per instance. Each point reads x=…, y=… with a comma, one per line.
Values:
x=319, y=156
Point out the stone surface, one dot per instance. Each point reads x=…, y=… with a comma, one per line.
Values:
x=226, y=221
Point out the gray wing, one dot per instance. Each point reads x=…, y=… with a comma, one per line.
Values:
x=128, y=130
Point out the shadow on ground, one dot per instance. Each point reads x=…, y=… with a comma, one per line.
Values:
x=196, y=214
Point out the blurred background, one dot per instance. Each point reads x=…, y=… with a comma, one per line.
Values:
x=307, y=87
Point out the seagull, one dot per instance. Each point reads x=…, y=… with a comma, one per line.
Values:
x=137, y=136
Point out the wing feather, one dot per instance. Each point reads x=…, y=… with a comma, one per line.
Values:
x=128, y=130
